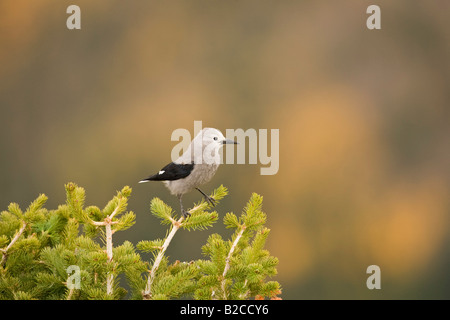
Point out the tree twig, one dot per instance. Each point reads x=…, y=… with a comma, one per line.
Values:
x=147, y=293
x=151, y=277
x=107, y=223
x=227, y=260
x=16, y=237
x=69, y=296
x=109, y=254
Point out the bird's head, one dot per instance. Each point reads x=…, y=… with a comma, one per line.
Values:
x=214, y=138
x=206, y=145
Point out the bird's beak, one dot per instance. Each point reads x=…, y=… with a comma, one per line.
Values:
x=229, y=141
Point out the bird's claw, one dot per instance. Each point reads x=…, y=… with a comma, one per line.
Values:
x=185, y=213
x=210, y=200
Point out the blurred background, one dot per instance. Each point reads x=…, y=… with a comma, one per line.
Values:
x=364, y=174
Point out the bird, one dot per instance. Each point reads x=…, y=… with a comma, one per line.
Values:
x=195, y=167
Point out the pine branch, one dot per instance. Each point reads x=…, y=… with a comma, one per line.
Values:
x=121, y=204
x=237, y=268
x=109, y=254
x=38, y=246
x=228, y=259
x=199, y=219
x=13, y=241
x=162, y=211
x=69, y=295
x=115, y=207
x=149, y=246
x=148, y=288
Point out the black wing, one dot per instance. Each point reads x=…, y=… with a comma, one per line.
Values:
x=172, y=171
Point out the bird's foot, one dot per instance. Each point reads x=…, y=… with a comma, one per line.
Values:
x=210, y=200
x=185, y=213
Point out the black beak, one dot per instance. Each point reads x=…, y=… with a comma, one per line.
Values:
x=229, y=141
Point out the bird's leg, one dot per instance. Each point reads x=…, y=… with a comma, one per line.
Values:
x=207, y=198
x=183, y=212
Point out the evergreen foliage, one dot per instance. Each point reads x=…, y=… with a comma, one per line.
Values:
x=237, y=268
x=68, y=253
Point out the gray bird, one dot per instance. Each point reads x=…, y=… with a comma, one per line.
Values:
x=195, y=167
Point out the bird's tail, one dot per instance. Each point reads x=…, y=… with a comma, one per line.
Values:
x=155, y=177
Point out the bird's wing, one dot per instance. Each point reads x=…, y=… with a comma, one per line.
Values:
x=172, y=171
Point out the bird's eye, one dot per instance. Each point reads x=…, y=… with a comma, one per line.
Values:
x=215, y=138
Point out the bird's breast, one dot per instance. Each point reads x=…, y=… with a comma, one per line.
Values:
x=201, y=174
